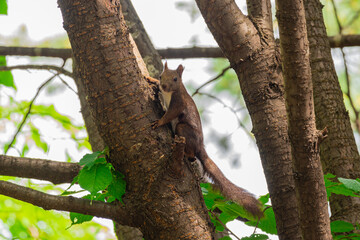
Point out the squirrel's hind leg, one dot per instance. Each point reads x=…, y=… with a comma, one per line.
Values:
x=183, y=130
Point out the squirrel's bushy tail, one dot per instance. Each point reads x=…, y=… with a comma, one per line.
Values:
x=228, y=189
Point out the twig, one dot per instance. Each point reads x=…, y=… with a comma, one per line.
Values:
x=347, y=75
x=53, y=171
x=71, y=204
x=66, y=84
x=212, y=80
x=227, y=229
x=232, y=110
x=352, y=20
x=28, y=112
x=60, y=70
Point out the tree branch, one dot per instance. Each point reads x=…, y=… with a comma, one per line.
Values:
x=28, y=112
x=169, y=53
x=347, y=75
x=194, y=52
x=61, y=203
x=63, y=53
x=211, y=80
x=53, y=171
x=60, y=70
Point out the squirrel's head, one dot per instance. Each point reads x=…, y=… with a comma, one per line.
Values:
x=170, y=80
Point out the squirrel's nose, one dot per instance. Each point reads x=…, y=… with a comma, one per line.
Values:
x=163, y=86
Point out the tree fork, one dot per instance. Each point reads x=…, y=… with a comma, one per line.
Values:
x=123, y=107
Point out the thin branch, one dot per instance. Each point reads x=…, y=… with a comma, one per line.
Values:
x=59, y=70
x=347, y=75
x=211, y=80
x=28, y=112
x=227, y=229
x=353, y=19
x=232, y=110
x=71, y=204
x=53, y=171
x=67, y=85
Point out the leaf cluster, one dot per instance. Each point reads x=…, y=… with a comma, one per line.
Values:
x=230, y=211
x=100, y=179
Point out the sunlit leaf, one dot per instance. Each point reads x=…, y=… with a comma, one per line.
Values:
x=256, y=237
x=95, y=179
x=35, y=136
x=3, y=7
x=352, y=184
x=88, y=160
x=6, y=77
x=78, y=218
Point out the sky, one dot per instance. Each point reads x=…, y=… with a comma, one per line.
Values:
x=168, y=27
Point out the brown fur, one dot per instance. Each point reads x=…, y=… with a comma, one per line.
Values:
x=182, y=109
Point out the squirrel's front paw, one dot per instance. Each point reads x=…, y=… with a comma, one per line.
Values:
x=152, y=80
x=155, y=124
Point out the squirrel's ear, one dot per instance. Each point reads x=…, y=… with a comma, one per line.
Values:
x=165, y=67
x=180, y=69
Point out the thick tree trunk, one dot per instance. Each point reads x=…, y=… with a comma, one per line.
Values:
x=305, y=139
x=339, y=153
x=250, y=48
x=162, y=204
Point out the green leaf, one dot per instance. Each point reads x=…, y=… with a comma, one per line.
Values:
x=341, y=226
x=6, y=77
x=50, y=111
x=267, y=223
x=335, y=187
x=256, y=237
x=352, y=184
x=210, y=195
x=24, y=150
x=66, y=193
x=225, y=238
x=117, y=187
x=264, y=199
x=77, y=218
x=35, y=136
x=95, y=179
x=88, y=160
x=3, y=7
x=75, y=180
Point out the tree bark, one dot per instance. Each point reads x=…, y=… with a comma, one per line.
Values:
x=122, y=105
x=250, y=48
x=339, y=153
x=53, y=171
x=305, y=139
x=154, y=66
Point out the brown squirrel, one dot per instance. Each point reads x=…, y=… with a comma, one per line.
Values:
x=183, y=113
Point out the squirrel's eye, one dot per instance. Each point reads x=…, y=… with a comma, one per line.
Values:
x=175, y=79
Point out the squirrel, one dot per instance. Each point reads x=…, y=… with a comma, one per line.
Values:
x=182, y=112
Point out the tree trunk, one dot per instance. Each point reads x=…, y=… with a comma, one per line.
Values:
x=164, y=204
x=250, y=48
x=339, y=153
x=305, y=139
